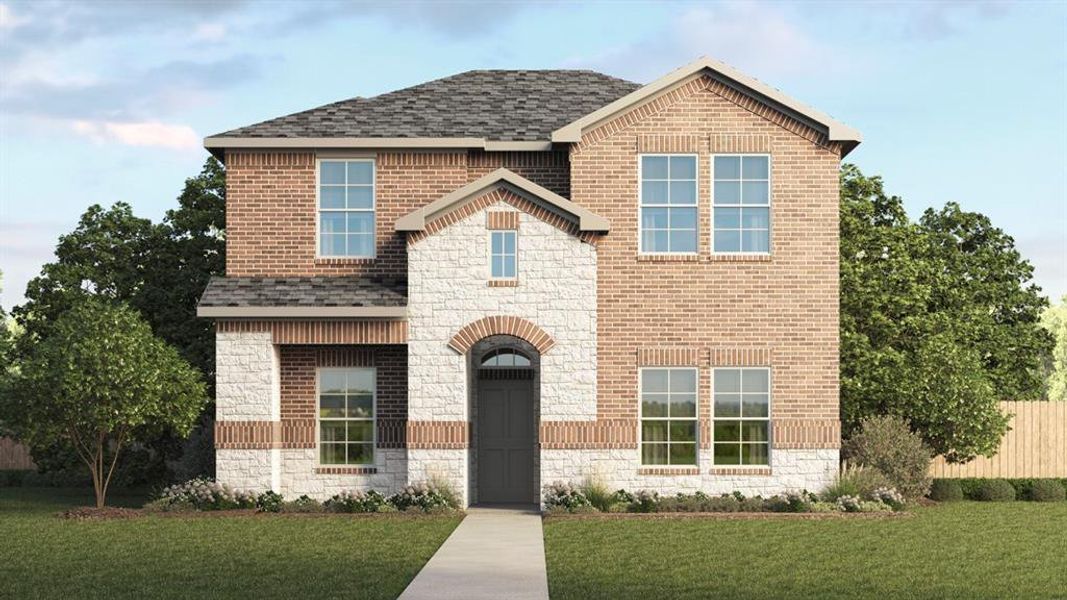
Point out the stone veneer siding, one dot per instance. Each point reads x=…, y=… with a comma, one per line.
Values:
x=447, y=291
x=265, y=432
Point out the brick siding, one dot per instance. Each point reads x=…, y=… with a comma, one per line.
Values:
x=779, y=311
x=271, y=214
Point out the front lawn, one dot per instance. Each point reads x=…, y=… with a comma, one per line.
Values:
x=188, y=557
x=961, y=550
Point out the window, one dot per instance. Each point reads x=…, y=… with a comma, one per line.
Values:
x=741, y=204
x=346, y=416
x=668, y=416
x=346, y=208
x=505, y=358
x=668, y=204
x=502, y=255
x=742, y=416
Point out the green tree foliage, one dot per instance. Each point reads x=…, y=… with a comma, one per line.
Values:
x=158, y=269
x=1054, y=320
x=938, y=321
x=99, y=381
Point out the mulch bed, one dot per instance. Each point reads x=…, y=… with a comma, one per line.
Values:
x=108, y=513
x=736, y=516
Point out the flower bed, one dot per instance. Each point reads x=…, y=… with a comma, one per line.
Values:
x=564, y=498
x=203, y=495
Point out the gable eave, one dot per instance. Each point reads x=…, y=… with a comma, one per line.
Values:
x=835, y=130
x=587, y=221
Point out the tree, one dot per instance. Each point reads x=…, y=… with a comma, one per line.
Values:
x=937, y=320
x=160, y=270
x=99, y=381
x=192, y=249
x=1054, y=320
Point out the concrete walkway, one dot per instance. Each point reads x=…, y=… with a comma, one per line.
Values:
x=494, y=553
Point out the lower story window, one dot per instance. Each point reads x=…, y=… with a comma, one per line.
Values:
x=742, y=416
x=346, y=416
x=669, y=416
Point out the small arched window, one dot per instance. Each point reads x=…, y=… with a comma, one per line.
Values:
x=505, y=357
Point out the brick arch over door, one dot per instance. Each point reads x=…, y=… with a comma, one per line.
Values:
x=518, y=327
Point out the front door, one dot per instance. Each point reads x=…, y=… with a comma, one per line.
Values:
x=506, y=441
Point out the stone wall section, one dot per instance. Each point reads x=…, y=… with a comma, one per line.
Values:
x=447, y=291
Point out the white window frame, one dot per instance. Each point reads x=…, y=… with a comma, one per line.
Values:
x=641, y=416
x=319, y=210
x=504, y=232
x=641, y=202
x=768, y=418
x=769, y=206
x=319, y=419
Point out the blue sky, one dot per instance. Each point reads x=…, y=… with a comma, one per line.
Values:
x=961, y=101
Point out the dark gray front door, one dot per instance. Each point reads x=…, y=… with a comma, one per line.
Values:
x=506, y=434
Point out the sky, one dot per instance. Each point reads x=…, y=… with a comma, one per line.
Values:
x=109, y=101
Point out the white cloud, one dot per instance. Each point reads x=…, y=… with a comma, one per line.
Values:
x=210, y=32
x=145, y=133
x=756, y=38
x=8, y=19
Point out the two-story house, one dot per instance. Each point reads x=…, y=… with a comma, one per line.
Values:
x=509, y=278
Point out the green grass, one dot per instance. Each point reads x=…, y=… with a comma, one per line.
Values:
x=42, y=556
x=960, y=550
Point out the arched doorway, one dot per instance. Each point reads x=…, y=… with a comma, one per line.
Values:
x=504, y=414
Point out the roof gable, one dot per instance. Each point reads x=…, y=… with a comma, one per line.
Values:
x=586, y=221
x=834, y=130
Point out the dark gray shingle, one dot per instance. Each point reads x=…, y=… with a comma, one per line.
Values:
x=305, y=291
x=495, y=105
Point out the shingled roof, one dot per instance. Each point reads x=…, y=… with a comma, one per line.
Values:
x=494, y=105
x=303, y=296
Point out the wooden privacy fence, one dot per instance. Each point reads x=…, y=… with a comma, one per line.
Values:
x=14, y=456
x=1036, y=446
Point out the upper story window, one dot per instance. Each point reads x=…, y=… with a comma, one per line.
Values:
x=346, y=208
x=347, y=407
x=503, y=255
x=668, y=220
x=741, y=203
x=741, y=411
x=669, y=416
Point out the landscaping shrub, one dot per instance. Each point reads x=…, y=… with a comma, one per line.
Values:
x=724, y=503
x=887, y=444
x=426, y=497
x=754, y=504
x=269, y=501
x=13, y=478
x=645, y=501
x=793, y=502
x=994, y=490
x=889, y=497
x=303, y=504
x=564, y=496
x=1046, y=490
x=357, y=501
x=946, y=490
x=856, y=481
x=1022, y=487
x=853, y=504
x=202, y=494
x=598, y=493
